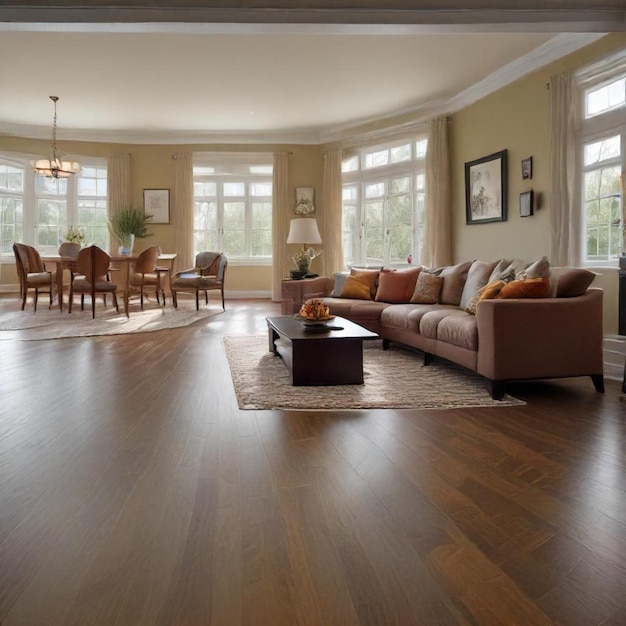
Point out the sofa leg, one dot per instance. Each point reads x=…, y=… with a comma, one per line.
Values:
x=428, y=358
x=598, y=382
x=386, y=344
x=496, y=389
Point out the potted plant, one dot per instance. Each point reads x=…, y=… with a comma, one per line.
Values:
x=126, y=225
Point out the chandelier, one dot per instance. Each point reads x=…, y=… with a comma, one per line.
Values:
x=53, y=166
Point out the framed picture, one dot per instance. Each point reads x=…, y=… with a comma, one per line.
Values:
x=304, y=201
x=156, y=202
x=486, y=189
x=527, y=168
x=526, y=203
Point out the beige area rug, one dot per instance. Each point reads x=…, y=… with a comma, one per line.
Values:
x=394, y=378
x=54, y=324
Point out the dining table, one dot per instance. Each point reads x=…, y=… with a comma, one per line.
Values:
x=123, y=262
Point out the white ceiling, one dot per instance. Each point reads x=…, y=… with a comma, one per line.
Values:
x=284, y=82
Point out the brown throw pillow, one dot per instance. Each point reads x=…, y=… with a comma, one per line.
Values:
x=356, y=288
x=427, y=288
x=573, y=282
x=526, y=288
x=397, y=286
x=369, y=277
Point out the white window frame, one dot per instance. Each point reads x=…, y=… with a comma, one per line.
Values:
x=30, y=196
x=235, y=168
x=363, y=176
x=595, y=128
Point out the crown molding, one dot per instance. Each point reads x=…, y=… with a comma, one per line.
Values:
x=557, y=47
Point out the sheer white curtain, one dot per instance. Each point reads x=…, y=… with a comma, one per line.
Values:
x=565, y=216
x=332, y=236
x=280, y=221
x=182, y=208
x=437, y=239
x=118, y=187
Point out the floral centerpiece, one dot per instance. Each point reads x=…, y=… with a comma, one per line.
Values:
x=314, y=309
x=74, y=235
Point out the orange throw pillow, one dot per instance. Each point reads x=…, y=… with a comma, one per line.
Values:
x=370, y=277
x=526, y=288
x=397, y=286
x=356, y=288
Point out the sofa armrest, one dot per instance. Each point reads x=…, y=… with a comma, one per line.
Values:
x=540, y=338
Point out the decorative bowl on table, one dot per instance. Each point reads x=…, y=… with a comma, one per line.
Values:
x=314, y=313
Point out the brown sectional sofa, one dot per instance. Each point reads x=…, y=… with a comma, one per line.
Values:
x=505, y=340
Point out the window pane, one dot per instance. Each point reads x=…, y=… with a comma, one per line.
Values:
x=399, y=210
x=375, y=191
x=205, y=217
x=261, y=189
x=400, y=154
x=606, y=98
x=373, y=214
x=11, y=178
x=400, y=185
x=420, y=148
x=400, y=243
x=376, y=159
x=234, y=214
x=262, y=169
x=50, y=186
x=349, y=192
x=204, y=189
x=602, y=150
x=234, y=243
x=234, y=189
x=10, y=223
x=374, y=244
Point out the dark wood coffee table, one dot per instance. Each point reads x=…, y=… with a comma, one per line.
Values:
x=319, y=357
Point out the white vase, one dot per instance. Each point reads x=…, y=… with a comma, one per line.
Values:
x=126, y=245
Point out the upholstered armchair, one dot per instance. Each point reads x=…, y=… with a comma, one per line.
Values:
x=208, y=274
x=93, y=267
x=32, y=273
x=145, y=273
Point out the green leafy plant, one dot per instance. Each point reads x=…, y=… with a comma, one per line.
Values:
x=129, y=222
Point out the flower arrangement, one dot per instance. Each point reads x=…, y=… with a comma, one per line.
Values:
x=314, y=309
x=303, y=258
x=74, y=235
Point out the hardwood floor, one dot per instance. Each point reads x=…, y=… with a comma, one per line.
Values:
x=133, y=491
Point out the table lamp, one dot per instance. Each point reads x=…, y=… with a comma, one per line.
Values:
x=303, y=230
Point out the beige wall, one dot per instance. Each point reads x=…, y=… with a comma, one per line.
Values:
x=152, y=167
x=517, y=118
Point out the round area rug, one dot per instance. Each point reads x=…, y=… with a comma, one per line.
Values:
x=54, y=324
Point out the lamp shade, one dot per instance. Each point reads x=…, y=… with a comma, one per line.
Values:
x=304, y=230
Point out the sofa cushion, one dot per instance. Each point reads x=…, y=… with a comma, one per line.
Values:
x=459, y=330
x=355, y=310
x=356, y=287
x=477, y=277
x=431, y=319
x=454, y=278
x=427, y=288
x=408, y=316
x=525, y=288
x=573, y=281
x=368, y=277
x=490, y=290
x=340, y=281
x=397, y=286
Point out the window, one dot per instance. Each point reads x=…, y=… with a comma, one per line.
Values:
x=602, y=150
x=38, y=210
x=233, y=206
x=383, y=203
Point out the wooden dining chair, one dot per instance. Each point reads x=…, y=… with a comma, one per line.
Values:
x=208, y=274
x=92, y=278
x=145, y=273
x=32, y=273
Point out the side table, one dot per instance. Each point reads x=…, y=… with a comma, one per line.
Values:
x=293, y=293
